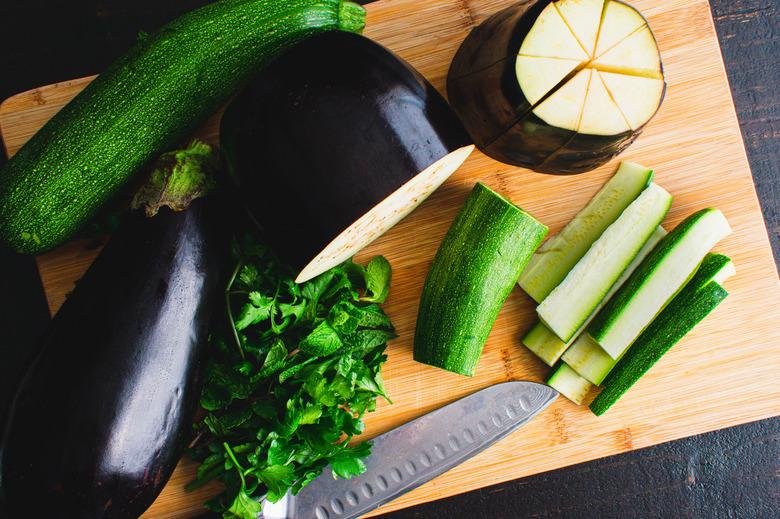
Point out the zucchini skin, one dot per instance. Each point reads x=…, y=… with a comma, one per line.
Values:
x=105, y=410
x=685, y=311
x=143, y=104
x=612, y=311
x=475, y=268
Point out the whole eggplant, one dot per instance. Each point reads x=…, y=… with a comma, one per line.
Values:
x=100, y=420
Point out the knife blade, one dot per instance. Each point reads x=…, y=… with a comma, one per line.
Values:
x=414, y=453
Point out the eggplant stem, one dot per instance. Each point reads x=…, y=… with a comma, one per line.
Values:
x=230, y=310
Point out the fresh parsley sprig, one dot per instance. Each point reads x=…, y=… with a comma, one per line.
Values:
x=292, y=375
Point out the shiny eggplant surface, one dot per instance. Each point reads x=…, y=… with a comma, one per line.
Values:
x=334, y=143
x=482, y=82
x=103, y=413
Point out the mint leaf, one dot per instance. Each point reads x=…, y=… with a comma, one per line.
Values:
x=378, y=275
x=323, y=340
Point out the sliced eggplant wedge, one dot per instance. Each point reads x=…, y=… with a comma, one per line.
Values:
x=587, y=79
x=335, y=143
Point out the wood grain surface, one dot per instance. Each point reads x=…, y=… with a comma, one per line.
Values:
x=723, y=374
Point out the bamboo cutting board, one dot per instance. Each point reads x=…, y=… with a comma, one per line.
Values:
x=725, y=373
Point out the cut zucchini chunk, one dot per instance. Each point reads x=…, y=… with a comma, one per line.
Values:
x=537, y=76
x=477, y=265
x=547, y=346
x=563, y=109
x=699, y=297
x=561, y=252
x=550, y=37
x=573, y=300
x=637, y=97
x=657, y=280
x=637, y=55
x=568, y=383
x=619, y=21
x=589, y=359
x=583, y=18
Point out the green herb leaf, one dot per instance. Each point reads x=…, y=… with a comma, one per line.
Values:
x=288, y=385
x=378, y=275
x=323, y=340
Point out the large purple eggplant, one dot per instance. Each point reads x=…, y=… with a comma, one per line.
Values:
x=102, y=415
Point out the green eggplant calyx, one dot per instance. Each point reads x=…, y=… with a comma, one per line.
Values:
x=178, y=178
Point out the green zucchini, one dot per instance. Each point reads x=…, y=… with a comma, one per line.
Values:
x=568, y=383
x=699, y=297
x=662, y=274
x=474, y=270
x=556, y=257
x=586, y=285
x=590, y=360
x=144, y=104
x=547, y=346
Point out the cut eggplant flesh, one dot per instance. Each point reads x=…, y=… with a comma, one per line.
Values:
x=619, y=21
x=584, y=20
x=637, y=97
x=569, y=44
x=385, y=215
x=538, y=76
x=563, y=109
x=637, y=55
x=550, y=37
x=330, y=155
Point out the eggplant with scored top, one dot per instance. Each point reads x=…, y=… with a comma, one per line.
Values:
x=352, y=139
x=558, y=87
x=102, y=416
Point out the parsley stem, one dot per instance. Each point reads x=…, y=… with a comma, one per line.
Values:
x=239, y=468
x=230, y=310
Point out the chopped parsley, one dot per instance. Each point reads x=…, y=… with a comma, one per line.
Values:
x=292, y=373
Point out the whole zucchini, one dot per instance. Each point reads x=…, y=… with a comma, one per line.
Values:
x=104, y=412
x=478, y=263
x=144, y=104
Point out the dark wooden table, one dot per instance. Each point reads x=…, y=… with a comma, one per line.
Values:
x=733, y=473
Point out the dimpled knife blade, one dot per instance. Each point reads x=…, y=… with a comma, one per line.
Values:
x=410, y=455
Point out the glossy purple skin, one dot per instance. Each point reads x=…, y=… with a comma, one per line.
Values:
x=101, y=418
x=327, y=132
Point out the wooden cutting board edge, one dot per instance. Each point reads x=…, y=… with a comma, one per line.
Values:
x=176, y=504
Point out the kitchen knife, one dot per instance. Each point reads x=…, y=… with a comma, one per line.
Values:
x=416, y=452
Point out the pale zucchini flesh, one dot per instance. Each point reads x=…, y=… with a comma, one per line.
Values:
x=568, y=383
x=585, y=286
x=663, y=273
x=547, y=346
x=591, y=361
x=695, y=302
x=558, y=255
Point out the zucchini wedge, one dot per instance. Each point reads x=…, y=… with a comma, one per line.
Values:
x=547, y=346
x=586, y=285
x=657, y=280
x=477, y=264
x=556, y=257
x=590, y=360
x=695, y=302
x=568, y=383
